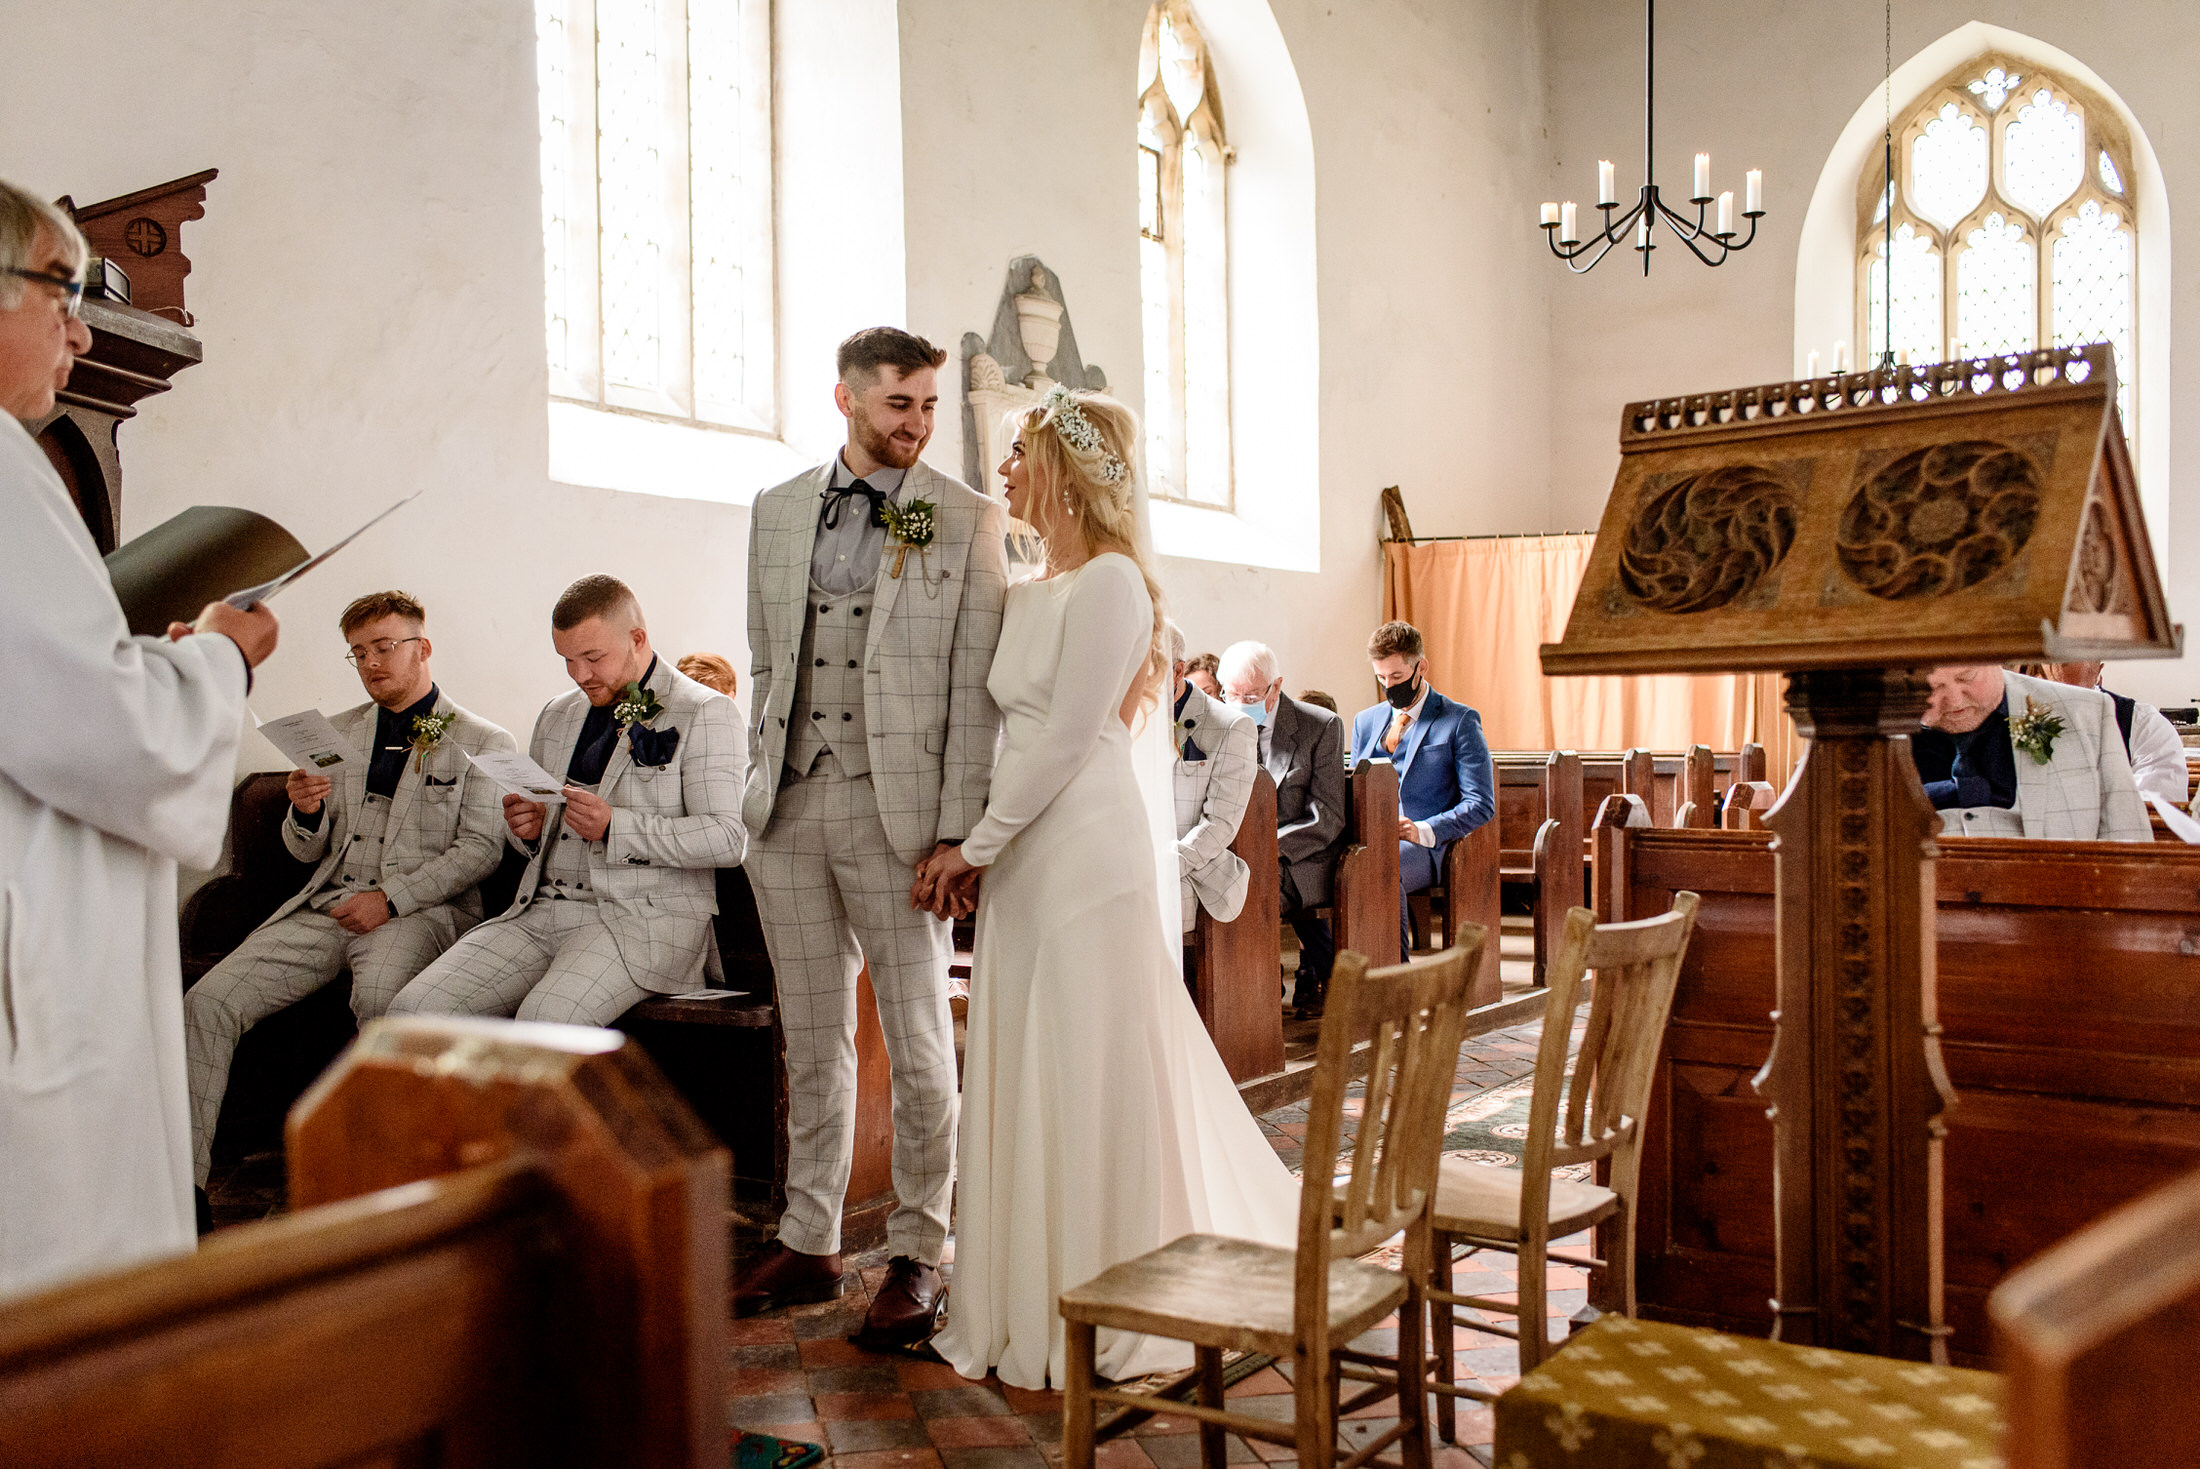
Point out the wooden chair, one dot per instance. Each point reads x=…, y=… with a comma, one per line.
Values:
x=2099, y=1338
x=1305, y=1306
x=1480, y=1207
x=510, y=1250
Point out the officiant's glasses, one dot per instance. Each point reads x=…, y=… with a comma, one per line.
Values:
x=71, y=289
x=379, y=650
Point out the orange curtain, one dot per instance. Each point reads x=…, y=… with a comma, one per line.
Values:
x=1486, y=606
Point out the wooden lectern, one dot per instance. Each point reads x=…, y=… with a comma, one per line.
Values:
x=1855, y=532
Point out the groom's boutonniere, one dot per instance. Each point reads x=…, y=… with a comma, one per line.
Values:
x=428, y=732
x=2036, y=730
x=652, y=748
x=910, y=525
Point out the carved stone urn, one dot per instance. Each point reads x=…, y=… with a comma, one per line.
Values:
x=1039, y=326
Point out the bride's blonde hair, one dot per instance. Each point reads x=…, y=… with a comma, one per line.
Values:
x=1081, y=451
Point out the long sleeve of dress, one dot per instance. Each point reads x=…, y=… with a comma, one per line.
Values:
x=1106, y=626
x=134, y=736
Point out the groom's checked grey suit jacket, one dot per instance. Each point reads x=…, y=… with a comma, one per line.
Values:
x=931, y=724
x=672, y=826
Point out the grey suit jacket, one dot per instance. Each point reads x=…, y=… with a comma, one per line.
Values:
x=1306, y=759
x=446, y=826
x=2084, y=793
x=932, y=725
x=655, y=871
x=1210, y=802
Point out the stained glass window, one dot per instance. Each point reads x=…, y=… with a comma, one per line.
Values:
x=1183, y=262
x=656, y=205
x=1998, y=163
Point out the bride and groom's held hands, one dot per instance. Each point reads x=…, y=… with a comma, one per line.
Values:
x=946, y=884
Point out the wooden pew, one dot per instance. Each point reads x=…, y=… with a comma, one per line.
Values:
x=1365, y=896
x=1668, y=782
x=1540, y=796
x=1233, y=965
x=1469, y=890
x=2065, y=977
x=1745, y=804
x=510, y=1250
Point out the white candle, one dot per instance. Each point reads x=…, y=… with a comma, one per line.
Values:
x=1642, y=233
x=1903, y=357
x=1703, y=178
x=1607, y=183
x=1810, y=369
x=1567, y=233
x=1726, y=213
x=1550, y=213
x=1754, y=199
x=1840, y=356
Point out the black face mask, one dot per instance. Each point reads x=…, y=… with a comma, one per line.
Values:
x=1400, y=695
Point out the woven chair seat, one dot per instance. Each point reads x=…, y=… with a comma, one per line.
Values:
x=1484, y=1201
x=1232, y=1293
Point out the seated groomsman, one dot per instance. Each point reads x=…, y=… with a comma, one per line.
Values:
x=2003, y=755
x=399, y=841
x=621, y=883
x=1447, y=785
x=1303, y=749
x=1217, y=756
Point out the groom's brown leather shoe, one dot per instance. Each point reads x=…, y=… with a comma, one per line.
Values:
x=907, y=1308
x=783, y=1277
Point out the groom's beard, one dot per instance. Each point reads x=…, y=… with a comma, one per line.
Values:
x=887, y=450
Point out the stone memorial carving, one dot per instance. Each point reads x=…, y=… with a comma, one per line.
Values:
x=1032, y=347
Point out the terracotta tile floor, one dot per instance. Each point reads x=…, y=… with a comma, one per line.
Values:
x=792, y=1373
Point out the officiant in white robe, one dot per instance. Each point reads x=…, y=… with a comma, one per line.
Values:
x=116, y=760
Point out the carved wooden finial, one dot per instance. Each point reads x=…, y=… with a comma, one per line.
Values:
x=143, y=233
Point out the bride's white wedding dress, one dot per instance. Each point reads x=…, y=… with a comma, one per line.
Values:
x=1097, y=1120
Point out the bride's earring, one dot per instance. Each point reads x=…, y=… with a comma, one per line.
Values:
x=1069, y=502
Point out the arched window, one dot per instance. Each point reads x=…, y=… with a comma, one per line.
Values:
x=656, y=206
x=2013, y=226
x=1183, y=261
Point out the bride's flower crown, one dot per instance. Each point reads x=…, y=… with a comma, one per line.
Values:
x=1084, y=441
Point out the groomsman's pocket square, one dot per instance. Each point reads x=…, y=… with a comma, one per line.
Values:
x=439, y=784
x=652, y=747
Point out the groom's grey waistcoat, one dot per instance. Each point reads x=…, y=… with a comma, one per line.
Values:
x=827, y=713
x=925, y=647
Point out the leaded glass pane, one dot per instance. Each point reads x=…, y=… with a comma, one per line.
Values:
x=1149, y=192
x=1879, y=214
x=2090, y=267
x=1162, y=420
x=1994, y=87
x=1948, y=166
x=2111, y=180
x=1917, y=276
x=2043, y=154
x=631, y=113
x=1996, y=290
x=1206, y=328
x=717, y=198
x=1183, y=69
x=554, y=106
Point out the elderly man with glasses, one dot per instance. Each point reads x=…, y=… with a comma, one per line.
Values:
x=116, y=760
x=399, y=839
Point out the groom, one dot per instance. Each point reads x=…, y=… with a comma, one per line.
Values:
x=871, y=632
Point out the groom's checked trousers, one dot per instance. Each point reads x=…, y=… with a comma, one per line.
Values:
x=833, y=896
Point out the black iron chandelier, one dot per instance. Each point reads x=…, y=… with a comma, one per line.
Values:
x=1710, y=236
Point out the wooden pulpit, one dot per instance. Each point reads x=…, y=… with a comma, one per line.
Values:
x=1855, y=532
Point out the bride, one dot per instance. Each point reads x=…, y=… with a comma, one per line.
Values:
x=1097, y=1120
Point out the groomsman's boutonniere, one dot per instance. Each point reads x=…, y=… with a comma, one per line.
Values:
x=428, y=732
x=910, y=525
x=2036, y=730
x=637, y=705
x=652, y=748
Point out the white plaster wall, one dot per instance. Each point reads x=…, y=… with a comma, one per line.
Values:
x=1426, y=120
x=1772, y=87
x=368, y=284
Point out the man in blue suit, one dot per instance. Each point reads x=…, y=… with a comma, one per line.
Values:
x=1446, y=784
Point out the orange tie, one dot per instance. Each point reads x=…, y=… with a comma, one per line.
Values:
x=1398, y=723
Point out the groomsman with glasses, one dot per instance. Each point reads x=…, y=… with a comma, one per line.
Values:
x=399, y=839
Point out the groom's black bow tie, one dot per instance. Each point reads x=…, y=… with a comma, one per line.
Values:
x=837, y=501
